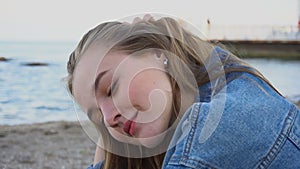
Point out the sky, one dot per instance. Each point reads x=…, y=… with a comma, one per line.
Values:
x=68, y=20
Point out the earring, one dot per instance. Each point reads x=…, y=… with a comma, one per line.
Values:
x=165, y=62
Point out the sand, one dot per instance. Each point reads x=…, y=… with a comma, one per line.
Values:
x=51, y=145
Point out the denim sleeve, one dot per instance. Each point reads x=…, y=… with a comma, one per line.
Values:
x=97, y=166
x=257, y=128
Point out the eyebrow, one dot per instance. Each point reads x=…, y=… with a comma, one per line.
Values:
x=98, y=78
x=90, y=113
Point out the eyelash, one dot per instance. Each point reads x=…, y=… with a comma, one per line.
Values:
x=111, y=89
x=109, y=92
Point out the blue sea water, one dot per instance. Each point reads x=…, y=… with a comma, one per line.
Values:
x=38, y=94
x=34, y=94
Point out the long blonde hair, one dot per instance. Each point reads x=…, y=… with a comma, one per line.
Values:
x=164, y=34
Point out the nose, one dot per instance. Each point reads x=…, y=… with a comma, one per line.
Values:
x=110, y=114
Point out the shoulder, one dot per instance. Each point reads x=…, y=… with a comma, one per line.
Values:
x=97, y=166
x=223, y=132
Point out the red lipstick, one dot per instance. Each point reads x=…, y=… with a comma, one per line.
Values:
x=129, y=127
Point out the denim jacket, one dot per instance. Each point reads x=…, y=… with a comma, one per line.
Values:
x=257, y=128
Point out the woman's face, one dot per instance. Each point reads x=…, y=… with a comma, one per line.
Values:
x=132, y=92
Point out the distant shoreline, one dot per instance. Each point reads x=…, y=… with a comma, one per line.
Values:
x=268, y=49
x=276, y=49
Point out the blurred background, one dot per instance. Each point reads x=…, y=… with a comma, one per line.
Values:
x=36, y=38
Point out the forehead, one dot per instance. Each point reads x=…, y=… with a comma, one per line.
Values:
x=95, y=59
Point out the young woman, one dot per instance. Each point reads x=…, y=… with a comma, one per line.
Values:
x=163, y=98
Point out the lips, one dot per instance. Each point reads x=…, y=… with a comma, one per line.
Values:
x=129, y=127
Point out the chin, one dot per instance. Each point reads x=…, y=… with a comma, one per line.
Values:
x=152, y=142
x=148, y=142
x=121, y=137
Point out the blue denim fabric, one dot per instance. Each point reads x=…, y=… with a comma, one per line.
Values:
x=97, y=166
x=257, y=128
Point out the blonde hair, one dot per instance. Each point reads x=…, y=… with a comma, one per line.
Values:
x=165, y=34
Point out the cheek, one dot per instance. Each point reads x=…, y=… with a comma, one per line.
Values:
x=138, y=93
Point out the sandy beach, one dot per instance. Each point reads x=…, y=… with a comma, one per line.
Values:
x=51, y=145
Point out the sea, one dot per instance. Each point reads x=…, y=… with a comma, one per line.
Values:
x=36, y=94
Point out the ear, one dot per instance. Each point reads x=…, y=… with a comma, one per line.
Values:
x=158, y=54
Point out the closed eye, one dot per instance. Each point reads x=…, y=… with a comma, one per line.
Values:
x=109, y=92
x=113, y=88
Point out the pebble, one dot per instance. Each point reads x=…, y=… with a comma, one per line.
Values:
x=26, y=158
x=50, y=132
